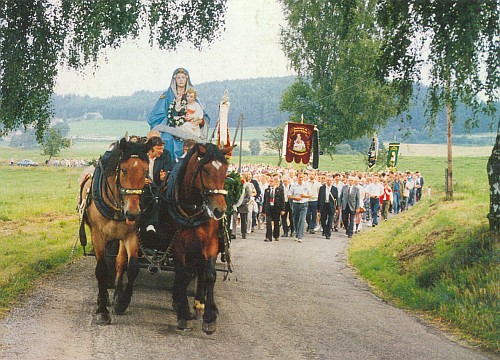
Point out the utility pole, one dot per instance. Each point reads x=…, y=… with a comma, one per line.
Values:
x=70, y=161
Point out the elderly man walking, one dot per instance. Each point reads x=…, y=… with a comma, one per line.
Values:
x=349, y=201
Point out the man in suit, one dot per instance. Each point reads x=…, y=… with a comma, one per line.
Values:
x=273, y=207
x=349, y=203
x=258, y=200
x=419, y=184
x=287, y=218
x=327, y=203
x=160, y=164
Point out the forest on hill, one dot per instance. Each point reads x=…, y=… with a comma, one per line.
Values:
x=259, y=102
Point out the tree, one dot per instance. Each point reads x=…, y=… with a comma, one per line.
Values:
x=458, y=41
x=274, y=140
x=53, y=142
x=254, y=147
x=333, y=46
x=493, y=169
x=38, y=35
x=25, y=140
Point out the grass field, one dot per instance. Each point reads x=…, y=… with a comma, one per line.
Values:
x=438, y=257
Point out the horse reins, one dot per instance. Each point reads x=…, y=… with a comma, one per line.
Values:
x=205, y=193
x=118, y=204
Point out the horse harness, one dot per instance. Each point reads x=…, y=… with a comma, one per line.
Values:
x=181, y=212
x=115, y=210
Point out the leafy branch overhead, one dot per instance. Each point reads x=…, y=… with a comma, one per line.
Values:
x=37, y=36
x=359, y=60
x=333, y=46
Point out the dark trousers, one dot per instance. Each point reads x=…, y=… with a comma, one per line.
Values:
x=312, y=215
x=273, y=224
x=149, y=205
x=327, y=215
x=287, y=219
x=348, y=220
x=374, y=205
x=244, y=223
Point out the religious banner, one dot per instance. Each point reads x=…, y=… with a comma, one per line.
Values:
x=392, y=155
x=297, y=142
x=373, y=153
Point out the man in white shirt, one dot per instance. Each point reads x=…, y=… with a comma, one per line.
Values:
x=300, y=192
x=375, y=191
x=338, y=215
x=312, y=207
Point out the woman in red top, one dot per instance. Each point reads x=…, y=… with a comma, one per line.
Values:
x=386, y=199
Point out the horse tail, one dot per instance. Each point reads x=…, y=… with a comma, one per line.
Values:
x=82, y=234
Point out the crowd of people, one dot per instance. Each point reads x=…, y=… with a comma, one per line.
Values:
x=287, y=202
x=290, y=203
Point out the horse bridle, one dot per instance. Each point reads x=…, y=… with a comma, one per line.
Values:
x=122, y=191
x=205, y=193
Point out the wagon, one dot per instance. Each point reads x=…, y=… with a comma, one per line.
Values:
x=155, y=257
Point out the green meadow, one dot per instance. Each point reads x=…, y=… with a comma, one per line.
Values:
x=438, y=258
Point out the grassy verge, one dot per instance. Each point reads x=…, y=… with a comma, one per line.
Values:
x=38, y=226
x=439, y=257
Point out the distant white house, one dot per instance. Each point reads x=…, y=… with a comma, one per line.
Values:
x=92, y=116
x=55, y=121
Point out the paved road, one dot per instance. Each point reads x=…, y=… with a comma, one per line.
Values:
x=285, y=301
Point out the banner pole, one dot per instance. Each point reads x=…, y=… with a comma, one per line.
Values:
x=240, y=123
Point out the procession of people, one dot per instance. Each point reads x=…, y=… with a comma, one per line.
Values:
x=284, y=202
x=340, y=201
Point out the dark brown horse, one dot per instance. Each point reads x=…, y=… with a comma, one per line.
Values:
x=195, y=202
x=110, y=206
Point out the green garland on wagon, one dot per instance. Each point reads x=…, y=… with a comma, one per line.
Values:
x=234, y=188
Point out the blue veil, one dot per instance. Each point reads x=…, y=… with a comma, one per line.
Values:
x=158, y=118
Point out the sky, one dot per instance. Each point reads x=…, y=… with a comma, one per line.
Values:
x=249, y=48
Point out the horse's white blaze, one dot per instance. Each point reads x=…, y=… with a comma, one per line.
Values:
x=217, y=164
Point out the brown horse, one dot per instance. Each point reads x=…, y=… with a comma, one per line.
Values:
x=195, y=202
x=110, y=206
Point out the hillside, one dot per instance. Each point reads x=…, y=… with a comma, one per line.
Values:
x=258, y=100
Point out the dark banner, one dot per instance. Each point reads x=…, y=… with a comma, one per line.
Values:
x=373, y=153
x=315, y=149
x=299, y=140
x=392, y=155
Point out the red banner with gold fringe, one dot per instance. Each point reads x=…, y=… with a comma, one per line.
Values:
x=299, y=140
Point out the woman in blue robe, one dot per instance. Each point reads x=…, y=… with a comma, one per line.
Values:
x=158, y=119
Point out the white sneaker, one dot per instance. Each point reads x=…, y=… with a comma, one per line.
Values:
x=151, y=228
x=299, y=240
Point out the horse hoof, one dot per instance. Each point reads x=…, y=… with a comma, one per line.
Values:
x=119, y=309
x=183, y=325
x=209, y=328
x=102, y=319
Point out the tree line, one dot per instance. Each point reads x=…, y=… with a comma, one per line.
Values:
x=259, y=100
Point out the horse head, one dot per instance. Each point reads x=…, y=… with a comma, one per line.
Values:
x=131, y=175
x=208, y=177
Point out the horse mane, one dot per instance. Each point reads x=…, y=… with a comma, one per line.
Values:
x=122, y=151
x=213, y=153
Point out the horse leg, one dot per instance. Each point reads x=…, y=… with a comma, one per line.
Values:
x=210, y=315
x=199, y=300
x=121, y=266
x=123, y=292
x=101, y=274
x=179, y=296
